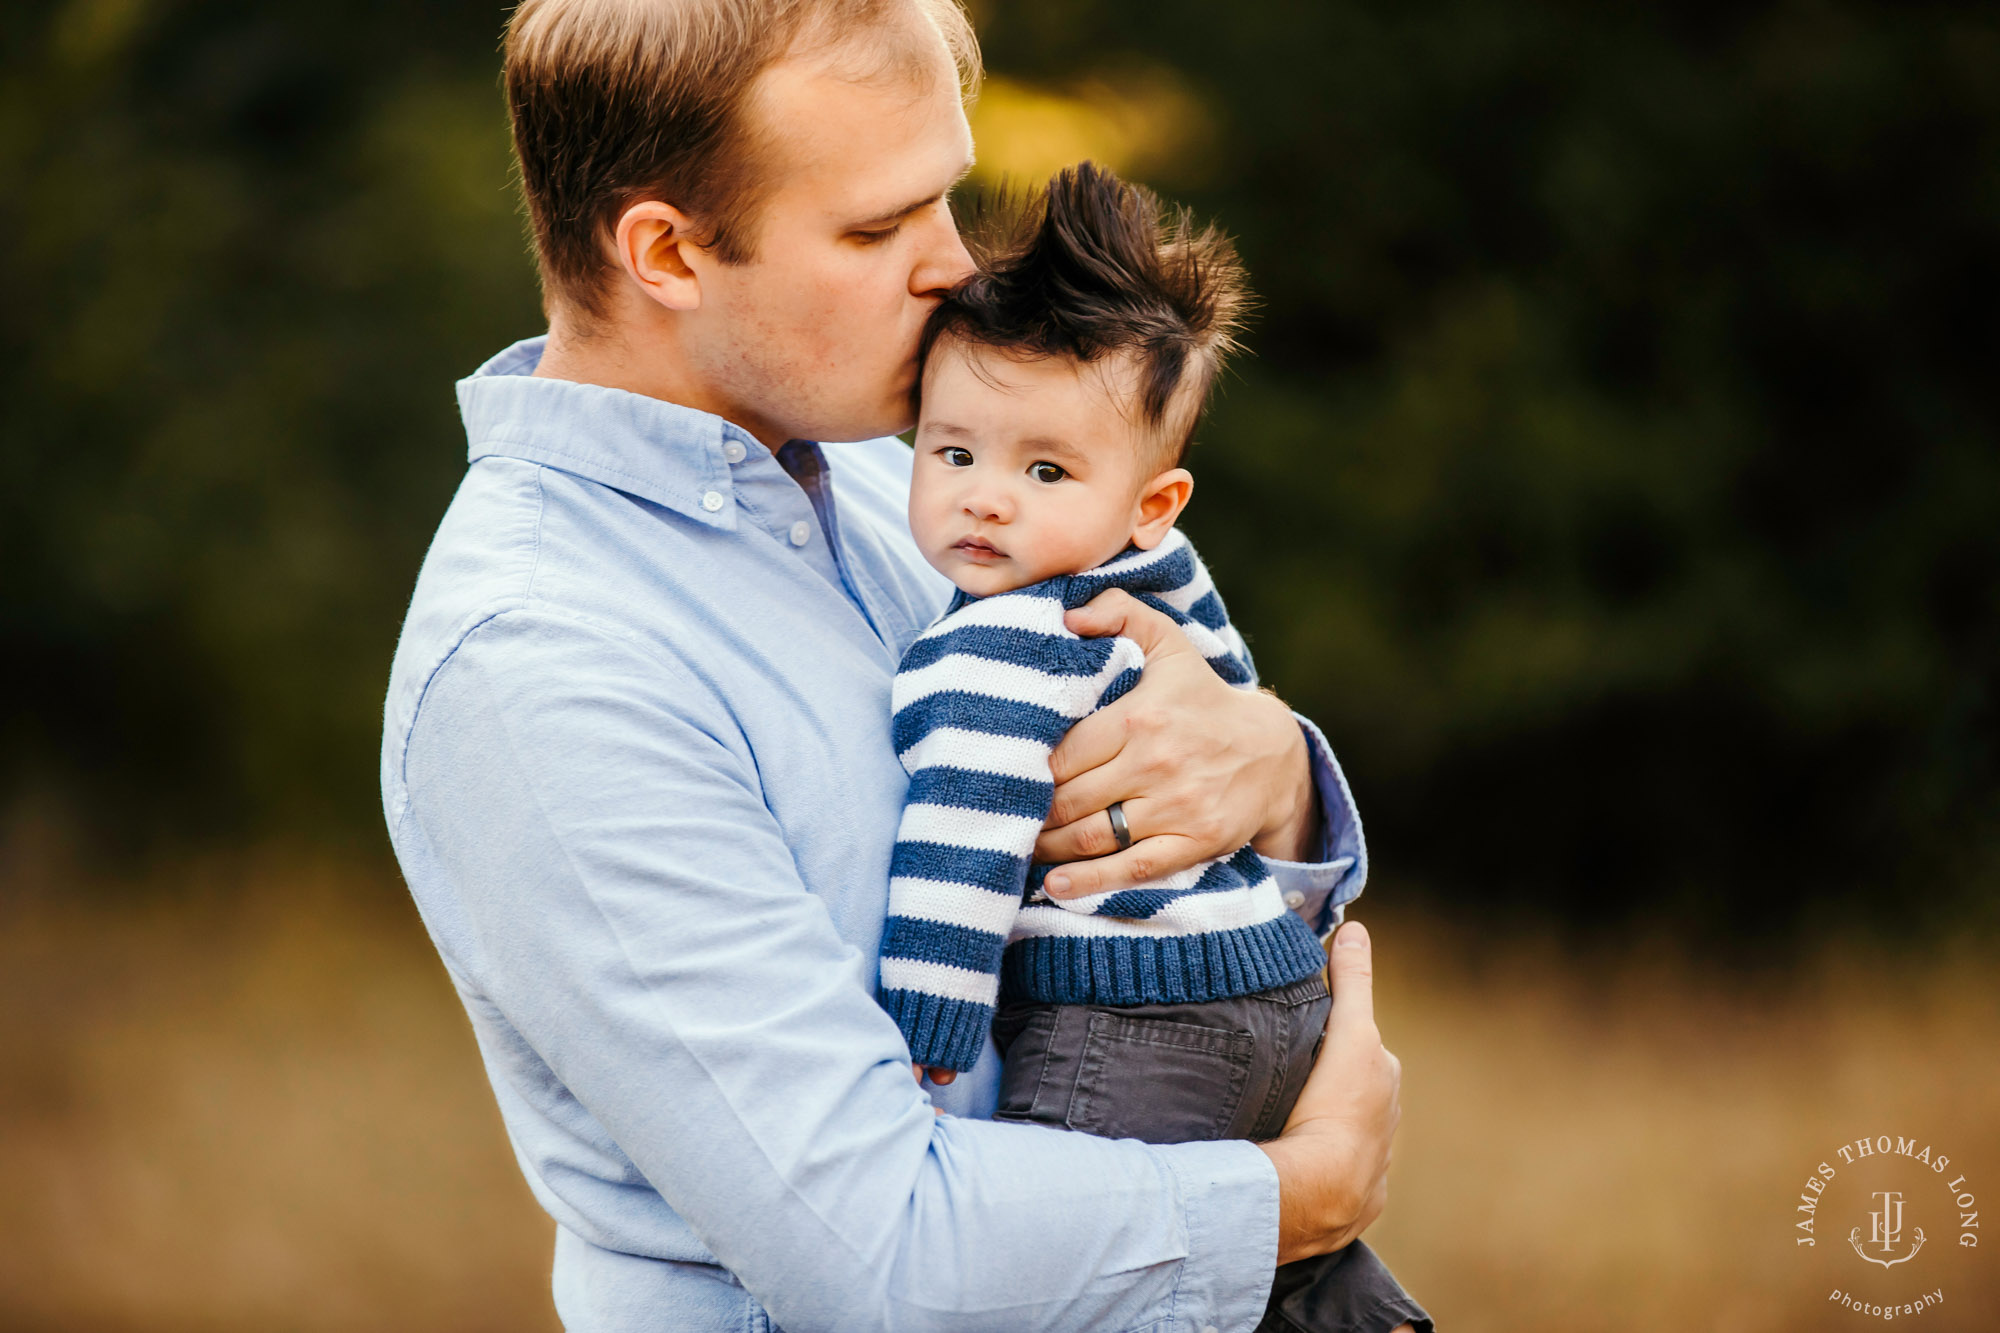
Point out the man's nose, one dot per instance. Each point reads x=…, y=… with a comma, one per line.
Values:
x=946, y=262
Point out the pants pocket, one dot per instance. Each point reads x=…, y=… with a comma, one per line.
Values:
x=1025, y=1037
x=1296, y=1040
x=1158, y=1080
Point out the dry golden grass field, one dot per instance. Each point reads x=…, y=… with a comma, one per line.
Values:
x=252, y=1103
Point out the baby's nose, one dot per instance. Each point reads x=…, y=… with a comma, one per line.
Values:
x=990, y=502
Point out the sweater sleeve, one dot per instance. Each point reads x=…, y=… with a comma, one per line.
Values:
x=1172, y=578
x=1205, y=621
x=981, y=701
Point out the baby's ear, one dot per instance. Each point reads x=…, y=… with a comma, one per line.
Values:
x=1160, y=503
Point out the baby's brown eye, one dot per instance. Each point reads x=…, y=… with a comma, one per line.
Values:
x=957, y=457
x=1047, y=472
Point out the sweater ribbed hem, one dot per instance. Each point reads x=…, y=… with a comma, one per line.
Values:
x=946, y=1034
x=1161, y=969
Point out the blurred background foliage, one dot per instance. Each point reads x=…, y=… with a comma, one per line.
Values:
x=1617, y=476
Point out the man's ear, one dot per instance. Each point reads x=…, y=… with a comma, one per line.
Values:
x=1160, y=503
x=653, y=246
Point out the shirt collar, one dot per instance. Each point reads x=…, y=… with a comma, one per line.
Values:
x=659, y=451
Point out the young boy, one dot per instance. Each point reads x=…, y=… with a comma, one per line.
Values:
x=1060, y=390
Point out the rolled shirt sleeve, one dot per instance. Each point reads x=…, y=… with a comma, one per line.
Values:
x=608, y=886
x=1319, y=890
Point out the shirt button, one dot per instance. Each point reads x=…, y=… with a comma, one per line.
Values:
x=801, y=533
x=712, y=501
x=1295, y=900
x=733, y=450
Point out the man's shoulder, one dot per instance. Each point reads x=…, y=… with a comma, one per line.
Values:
x=524, y=536
x=486, y=581
x=480, y=562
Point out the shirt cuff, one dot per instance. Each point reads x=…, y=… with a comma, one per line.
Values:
x=1229, y=1193
x=1320, y=890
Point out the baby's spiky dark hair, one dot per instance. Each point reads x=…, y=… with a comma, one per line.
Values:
x=1094, y=266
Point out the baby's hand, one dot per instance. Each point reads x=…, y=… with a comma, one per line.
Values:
x=941, y=1077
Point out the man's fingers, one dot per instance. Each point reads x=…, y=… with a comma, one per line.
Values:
x=1149, y=858
x=1353, y=976
x=1119, y=612
x=1089, y=777
x=1090, y=744
x=1090, y=835
x=1080, y=841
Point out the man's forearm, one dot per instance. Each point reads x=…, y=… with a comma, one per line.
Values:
x=1320, y=1207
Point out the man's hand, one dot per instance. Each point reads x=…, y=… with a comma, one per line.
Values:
x=1202, y=767
x=1333, y=1157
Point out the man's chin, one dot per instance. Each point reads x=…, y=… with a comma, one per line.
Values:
x=872, y=428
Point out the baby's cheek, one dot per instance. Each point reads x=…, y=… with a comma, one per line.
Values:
x=1088, y=531
x=923, y=511
x=1052, y=550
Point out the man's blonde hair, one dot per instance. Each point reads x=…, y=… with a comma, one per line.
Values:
x=616, y=101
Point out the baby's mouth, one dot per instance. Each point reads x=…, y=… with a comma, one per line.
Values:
x=974, y=549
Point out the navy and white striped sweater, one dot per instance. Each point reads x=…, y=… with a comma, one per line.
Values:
x=981, y=699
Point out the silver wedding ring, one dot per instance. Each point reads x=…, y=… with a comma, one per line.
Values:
x=1119, y=828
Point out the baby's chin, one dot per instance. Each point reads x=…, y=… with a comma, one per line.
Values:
x=983, y=580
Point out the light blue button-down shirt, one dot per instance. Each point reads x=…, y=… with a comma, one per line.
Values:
x=636, y=764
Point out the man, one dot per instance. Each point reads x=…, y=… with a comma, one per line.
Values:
x=636, y=757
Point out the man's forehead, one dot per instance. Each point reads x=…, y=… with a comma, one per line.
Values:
x=857, y=150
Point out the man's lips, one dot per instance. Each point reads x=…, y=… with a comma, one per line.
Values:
x=974, y=549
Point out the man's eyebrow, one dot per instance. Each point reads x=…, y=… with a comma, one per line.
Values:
x=898, y=214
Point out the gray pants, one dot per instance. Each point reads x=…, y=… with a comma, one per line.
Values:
x=1177, y=1073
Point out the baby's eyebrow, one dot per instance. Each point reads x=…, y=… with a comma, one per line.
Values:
x=1048, y=444
x=946, y=428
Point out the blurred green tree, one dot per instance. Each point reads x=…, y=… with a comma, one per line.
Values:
x=248, y=248
x=1618, y=461
x=1623, y=432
